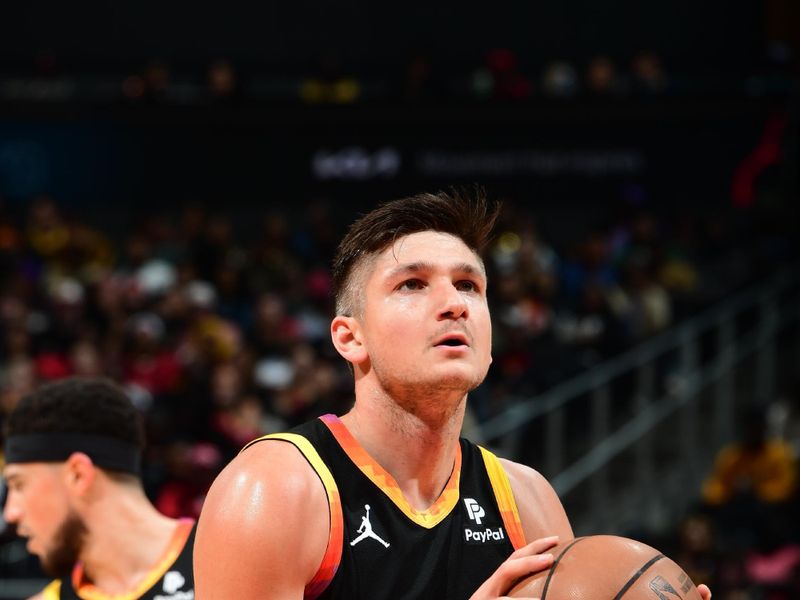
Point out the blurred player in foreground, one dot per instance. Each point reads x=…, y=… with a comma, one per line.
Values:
x=73, y=453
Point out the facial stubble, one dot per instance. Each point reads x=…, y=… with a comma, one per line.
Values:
x=68, y=540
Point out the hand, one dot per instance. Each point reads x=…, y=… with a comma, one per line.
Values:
x=705, y=593
x=523, y=562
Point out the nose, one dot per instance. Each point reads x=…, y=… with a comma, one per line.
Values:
x=454, y=305
x=11, y=513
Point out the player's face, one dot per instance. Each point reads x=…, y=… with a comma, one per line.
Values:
x=426, y=321
x=37, y=503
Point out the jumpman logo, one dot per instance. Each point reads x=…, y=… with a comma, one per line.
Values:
x=366, y=531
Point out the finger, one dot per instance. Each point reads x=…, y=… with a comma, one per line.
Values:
x=516, y=568
x=523, y=562
x=536, y=546
x=704, y=591
x=508, y=573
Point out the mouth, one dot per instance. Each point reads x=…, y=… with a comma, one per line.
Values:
x=453, y=340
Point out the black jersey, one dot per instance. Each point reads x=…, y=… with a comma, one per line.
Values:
x=380, y=547
x=170, y=579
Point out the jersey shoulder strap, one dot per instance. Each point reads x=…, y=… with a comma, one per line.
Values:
x=333, y=553
x=505, y=498
x=52, y=591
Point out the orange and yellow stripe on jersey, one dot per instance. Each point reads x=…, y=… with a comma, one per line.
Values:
x=504, y=497
x=382, y=479
x=333, y=553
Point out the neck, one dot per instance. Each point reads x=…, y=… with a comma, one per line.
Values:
x=126, y=539
x=418, y=450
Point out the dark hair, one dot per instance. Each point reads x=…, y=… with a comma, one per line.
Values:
x=466, y=215
x=78, y=405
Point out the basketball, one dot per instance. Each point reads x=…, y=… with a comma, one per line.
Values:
x=607, y=567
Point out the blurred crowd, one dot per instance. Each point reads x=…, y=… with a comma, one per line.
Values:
x=501, y=75
x=221, y=337
x=742, y=537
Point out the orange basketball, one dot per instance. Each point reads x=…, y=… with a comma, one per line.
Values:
x=607, y=567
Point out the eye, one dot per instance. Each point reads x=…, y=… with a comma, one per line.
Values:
x=466, y=285
x=411, y=285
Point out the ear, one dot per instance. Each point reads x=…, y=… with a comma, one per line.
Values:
x=80, y=473
x=348, y=339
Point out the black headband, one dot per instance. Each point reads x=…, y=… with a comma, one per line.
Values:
x=105, y=452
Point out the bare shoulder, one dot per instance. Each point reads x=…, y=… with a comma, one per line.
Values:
x=270, y=473
x=264, y=526
x=539, y=507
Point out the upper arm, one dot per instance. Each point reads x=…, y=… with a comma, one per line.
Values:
x=540, y=510
x=264, y=527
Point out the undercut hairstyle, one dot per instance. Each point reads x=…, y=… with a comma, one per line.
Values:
x=78, y=405
x=468, y=216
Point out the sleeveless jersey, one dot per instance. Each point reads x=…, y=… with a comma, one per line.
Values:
x=170, y=579
x=380, y=547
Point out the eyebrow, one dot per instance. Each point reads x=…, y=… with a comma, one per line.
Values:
x=421, y=266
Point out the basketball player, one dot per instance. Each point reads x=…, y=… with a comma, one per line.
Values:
x=72, y=468
x=387, y=502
